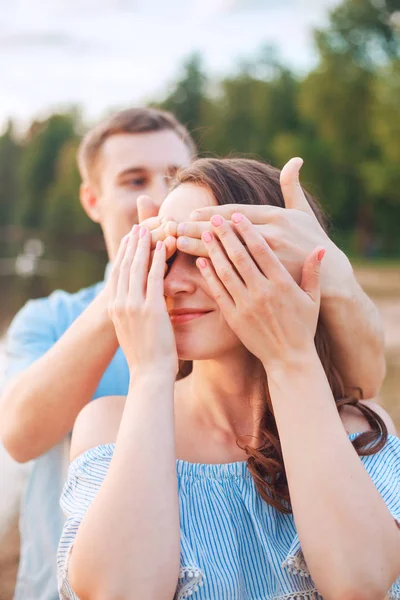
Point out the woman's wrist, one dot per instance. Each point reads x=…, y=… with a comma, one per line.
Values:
x=153, y=372
x=293, y=364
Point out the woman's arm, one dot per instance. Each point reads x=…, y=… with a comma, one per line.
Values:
x=348, y=537
x=128, y=543
x=350, y=541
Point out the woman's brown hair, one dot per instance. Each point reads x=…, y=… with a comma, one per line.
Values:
x=244, y=181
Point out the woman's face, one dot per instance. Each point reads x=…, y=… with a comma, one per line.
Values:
x=201, y=331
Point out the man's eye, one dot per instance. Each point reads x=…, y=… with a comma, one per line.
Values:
x=137, y=182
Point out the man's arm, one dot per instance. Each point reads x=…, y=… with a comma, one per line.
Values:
x=39, y=404
x=356, y=337
x=350, y=317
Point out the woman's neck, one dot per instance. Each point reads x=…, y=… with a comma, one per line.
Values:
x=225, y=395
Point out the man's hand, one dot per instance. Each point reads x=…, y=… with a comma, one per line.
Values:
x=292, y=232
x=158, y=227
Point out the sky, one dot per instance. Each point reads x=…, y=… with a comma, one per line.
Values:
x=103, y=54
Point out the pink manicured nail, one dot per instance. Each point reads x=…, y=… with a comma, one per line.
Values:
x=237, y=217
x=216, y=220
x=202, y=263
x=135, y=229
x=207, y=237
x=321, y=254
x=181, y=229
x=143, y=231
x=159, y=245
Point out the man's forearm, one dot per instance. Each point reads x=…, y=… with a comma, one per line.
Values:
x=356, y=337
x=39, y=406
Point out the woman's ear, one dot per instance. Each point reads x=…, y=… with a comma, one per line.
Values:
x=90, y=202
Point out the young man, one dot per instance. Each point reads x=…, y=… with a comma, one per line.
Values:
x=63, y=350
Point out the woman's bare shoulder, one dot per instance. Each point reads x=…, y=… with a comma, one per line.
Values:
x=355, y=422
x=97, y=424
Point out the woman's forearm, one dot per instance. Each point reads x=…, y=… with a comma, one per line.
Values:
x=128, y=544
x=348, y=536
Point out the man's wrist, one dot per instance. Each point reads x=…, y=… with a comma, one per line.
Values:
x=338, y=281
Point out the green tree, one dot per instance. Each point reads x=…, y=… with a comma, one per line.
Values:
x=42, y=147
x=187, y=96
x=64, y=214
x=9, y=184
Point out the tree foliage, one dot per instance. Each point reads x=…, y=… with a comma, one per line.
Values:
x=342, y=117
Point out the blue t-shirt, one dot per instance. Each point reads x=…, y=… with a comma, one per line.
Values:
x=234, y=546
x=34, y=330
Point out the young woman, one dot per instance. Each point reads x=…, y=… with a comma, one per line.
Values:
x=254, y=477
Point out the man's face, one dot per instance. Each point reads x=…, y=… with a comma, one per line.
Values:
x=128, y=166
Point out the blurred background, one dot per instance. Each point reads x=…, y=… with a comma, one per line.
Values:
x=269, y=79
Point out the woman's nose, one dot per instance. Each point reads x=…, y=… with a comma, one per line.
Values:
x=180, y=277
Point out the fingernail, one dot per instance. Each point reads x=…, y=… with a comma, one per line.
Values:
x=143, y=232
x=159, y=245
x=207, y=237
x=135, y=229
x=237, y=217
x=195, y=215
x=216, y=220
x=321, y=254
x=181, y=229
x=202, y=263
x=181, y=242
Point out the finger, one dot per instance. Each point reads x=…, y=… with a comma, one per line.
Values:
x=257, y=214
x=223, y=267
x=151, y=223
x=217, y=289
x=146, y=208
x=310, y=277
x=170, y=245
x=237, y=253
x=155, y=280
x=193, y=229
x=259, y=249
x=292, y=191
x=140, y=266
x=157, y=235
x=191, y=246
x=117, y=264
x=125, y=267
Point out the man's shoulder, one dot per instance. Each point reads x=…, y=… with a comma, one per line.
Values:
x=60, y=308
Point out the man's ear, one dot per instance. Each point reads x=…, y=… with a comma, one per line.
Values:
x=90, y=202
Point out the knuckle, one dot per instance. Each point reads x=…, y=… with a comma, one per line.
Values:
x=239, y=257
x=260, y=248
x=225, y=274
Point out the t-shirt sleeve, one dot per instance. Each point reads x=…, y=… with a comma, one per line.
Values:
x=85, y=477
x=384, y=470
x=31, y=334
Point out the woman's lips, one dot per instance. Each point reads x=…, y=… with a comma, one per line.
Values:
x=186, y=316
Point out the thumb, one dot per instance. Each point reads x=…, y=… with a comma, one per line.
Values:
x=146, y=208
x=292, y=191
x=310, y=277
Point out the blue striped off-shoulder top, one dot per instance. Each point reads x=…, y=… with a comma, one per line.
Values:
x=234, y=546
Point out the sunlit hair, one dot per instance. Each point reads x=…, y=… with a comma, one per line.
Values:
x=242, y=181
x=131, y=120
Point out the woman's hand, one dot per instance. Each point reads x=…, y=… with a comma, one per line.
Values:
x=272, y=315
x=137, y=305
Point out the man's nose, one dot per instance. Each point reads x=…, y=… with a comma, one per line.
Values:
x=159, y=190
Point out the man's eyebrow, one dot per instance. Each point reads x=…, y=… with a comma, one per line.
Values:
x=132, y=171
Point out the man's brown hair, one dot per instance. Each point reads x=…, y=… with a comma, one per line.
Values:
x=131, y=120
